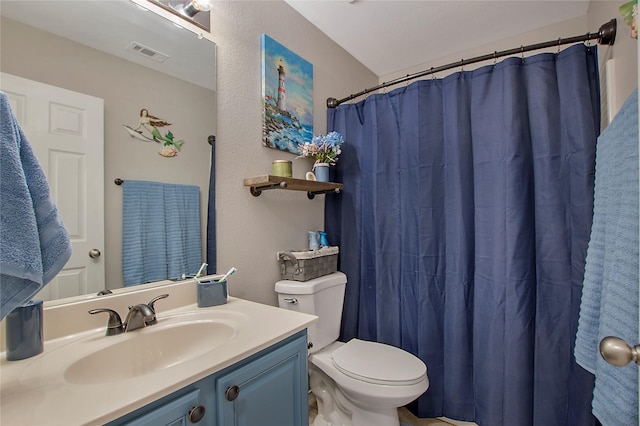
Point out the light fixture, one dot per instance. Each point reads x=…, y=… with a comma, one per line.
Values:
x=195, y=6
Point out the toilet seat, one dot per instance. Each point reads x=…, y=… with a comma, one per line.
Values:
x=377, y=363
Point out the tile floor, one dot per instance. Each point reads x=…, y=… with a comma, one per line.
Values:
x=405, y=415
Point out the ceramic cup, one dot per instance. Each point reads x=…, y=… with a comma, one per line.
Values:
x=24, y=331
x=321, y=171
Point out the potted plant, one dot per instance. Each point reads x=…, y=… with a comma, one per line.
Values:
x=325, y=149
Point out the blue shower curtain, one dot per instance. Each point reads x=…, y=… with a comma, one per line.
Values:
x=463, y=228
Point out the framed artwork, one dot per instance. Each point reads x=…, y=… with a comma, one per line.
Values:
x=287, y=98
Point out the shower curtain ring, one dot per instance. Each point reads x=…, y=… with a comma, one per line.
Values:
x=461, y=65
x=588, y=39
x=522, y=52
x=495, y=57
x=559, y=43
x=433, y=76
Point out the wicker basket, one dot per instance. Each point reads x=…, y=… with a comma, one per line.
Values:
x=309, y=264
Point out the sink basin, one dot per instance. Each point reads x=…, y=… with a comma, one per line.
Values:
x=148, y=350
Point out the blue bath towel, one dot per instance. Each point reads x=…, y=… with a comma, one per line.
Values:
x=161, y=231
x=34, y=244
x=609, y=305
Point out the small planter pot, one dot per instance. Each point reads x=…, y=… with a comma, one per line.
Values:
x=321, y=171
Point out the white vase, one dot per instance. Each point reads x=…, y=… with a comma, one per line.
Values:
x=321, y=171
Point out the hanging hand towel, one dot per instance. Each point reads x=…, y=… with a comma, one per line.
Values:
x=609, y=305
x=161, y=231
x=34, y=244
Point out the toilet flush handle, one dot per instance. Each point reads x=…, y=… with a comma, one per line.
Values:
x=291, y=300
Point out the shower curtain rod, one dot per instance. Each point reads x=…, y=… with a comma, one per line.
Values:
x=606, y=35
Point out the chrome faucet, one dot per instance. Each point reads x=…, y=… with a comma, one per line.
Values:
x=139, y=316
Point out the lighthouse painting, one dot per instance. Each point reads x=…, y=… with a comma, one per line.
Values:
x=287, y=96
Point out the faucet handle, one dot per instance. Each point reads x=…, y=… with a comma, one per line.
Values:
x=114, y=326
x=154, y=320
x=155, y=299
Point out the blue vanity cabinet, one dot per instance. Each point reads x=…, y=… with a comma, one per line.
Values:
x=268, y=388
x=269, y=391
x=179, y=409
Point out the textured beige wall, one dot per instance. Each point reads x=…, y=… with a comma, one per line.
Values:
x=125, y=88
x=252, y=229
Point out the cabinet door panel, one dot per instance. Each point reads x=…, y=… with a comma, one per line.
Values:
x=268, y=399
x=272, y=390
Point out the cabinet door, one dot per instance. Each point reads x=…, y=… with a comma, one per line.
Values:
x=269, y=391
x=173, y=413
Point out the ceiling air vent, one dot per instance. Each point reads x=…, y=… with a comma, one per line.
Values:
x=150, y=53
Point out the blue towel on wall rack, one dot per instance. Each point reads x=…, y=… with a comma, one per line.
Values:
x=34, y=244
x=161, y=231
x=609, y=305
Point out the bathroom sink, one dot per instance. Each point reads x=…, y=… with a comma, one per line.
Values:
x=154, y=348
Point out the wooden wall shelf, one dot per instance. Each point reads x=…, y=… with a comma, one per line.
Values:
x=262, y=183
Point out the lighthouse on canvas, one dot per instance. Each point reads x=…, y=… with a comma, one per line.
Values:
x=287, y=115
x=281, y=104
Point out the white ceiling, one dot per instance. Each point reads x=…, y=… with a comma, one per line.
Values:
x=388, y=36
x=111, y=26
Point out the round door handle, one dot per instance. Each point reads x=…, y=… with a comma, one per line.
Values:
x=197, y=413
x=232, y=392
x=94, y=253
x=617, y=352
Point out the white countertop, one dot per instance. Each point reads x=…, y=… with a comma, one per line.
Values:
x=34, y=391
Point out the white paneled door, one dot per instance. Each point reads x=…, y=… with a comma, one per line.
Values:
x=66, y=131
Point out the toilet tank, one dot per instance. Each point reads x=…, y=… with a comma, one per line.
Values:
x=323, y=297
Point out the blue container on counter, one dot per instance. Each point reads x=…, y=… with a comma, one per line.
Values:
x=211, y=293
x=24, y=331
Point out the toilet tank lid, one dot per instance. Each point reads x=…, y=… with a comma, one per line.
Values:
x=311, y=286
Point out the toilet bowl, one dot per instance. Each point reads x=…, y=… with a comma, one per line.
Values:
x=357, y=383
x=371, y=381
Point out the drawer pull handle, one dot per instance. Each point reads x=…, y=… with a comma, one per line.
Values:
x=232, y=392
x=196, y=414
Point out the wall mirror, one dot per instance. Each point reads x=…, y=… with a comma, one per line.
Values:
x=132, y=54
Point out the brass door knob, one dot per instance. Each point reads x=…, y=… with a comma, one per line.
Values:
x=617, y=352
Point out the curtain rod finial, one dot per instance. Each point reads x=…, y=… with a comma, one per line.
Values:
x=607, y=32
x=332, y=102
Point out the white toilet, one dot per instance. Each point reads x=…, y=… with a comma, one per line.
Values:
x=357, y=383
